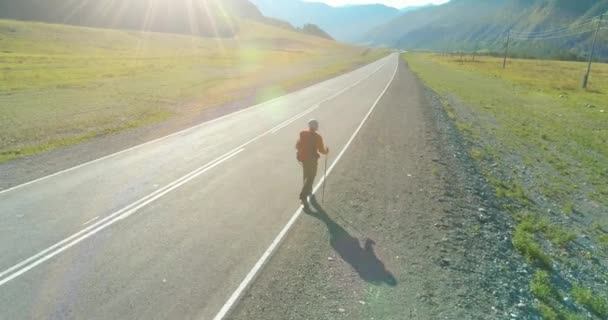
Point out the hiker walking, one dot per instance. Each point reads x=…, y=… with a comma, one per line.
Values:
x=309, y=146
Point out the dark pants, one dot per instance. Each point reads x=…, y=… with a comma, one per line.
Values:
x=309, y=168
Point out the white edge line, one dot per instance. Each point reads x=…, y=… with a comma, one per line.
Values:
x=179, y=132
x=111, y=222
x=144, y=199
x=84, y=224
x=277, y=241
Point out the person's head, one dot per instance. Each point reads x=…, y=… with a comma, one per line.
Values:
x=313, y=125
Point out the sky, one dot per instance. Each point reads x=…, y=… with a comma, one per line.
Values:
x=393, y=3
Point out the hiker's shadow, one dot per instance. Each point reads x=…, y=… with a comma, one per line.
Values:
x=362, y=258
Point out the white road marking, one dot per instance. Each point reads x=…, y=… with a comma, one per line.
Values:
x=84, y=224
x=67, y=243
x=277, y=241
x=173, y=134
x=48, y=253
x=288, y=122
x=273, y=130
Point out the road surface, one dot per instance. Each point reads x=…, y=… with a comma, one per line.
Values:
x=177, y=227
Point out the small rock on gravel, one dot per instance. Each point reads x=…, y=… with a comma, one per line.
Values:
x=445, y=262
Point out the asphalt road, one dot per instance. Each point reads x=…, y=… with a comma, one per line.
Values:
x=170, y=229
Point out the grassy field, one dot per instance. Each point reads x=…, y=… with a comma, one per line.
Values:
x=61, y=85
x=542, y=142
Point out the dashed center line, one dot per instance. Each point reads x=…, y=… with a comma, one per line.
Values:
x=286, y=123
x=84, y=224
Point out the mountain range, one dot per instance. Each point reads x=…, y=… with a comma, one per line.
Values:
x=204, y=17
x=459, y=25
x=208, y=18
x=484, y=25
x=345, y=24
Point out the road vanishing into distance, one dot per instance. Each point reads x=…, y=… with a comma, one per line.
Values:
x=178, y=227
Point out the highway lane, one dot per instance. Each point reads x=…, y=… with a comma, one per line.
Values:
x=169, y=229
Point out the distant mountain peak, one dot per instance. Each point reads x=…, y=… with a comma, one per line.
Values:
x=344, y=23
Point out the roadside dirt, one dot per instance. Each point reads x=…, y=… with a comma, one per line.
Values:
x=408, y=230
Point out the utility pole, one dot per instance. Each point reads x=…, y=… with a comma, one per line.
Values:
x=475, y=52
x=504, y=61
x=586, y=78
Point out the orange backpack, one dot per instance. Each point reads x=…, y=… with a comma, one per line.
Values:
x=306, y=146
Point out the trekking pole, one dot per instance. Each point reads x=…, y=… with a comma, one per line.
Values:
x=324, y=179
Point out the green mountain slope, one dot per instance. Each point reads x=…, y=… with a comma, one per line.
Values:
x=200, y=17
x=470, y=24
x=208, y=18
x=314, y=30
x=204, y=17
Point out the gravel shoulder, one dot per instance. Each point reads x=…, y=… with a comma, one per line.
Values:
x=408, y=230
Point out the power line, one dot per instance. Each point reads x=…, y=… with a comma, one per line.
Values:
x=559, y=29
x=559, y=33
x=563, y=27
x=549, y=34
x=504, y=61
x=534, y=38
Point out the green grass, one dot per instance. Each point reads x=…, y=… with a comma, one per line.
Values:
x=550, y=297
x=524, y=241
x=596, y=304
x=542, y=288
x=542, y=143
x=61, y=85
x=511, y=190
x=550, y=312
x=541, y=225
x=532, y=114
x=547, y=312
x=603, y=239
x=63, y=142
x=526, y=115
x=552, y=232
x=559, y=237
x=568, y=208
